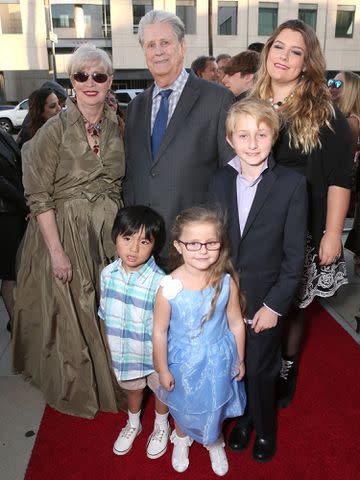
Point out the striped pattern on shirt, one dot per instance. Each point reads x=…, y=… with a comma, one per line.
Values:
x=126, y=305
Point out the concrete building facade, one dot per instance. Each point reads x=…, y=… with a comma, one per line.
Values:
x=32, y=32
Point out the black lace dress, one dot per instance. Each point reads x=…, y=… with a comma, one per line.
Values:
x=323, y=167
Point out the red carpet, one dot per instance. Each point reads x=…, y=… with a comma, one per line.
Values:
x=318, y=434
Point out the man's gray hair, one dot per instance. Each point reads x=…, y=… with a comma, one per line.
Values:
x=157, y=16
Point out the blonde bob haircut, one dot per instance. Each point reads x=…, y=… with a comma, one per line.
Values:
x=87, y=54
x=349, y=101
x=310, y=106
x=260, y=110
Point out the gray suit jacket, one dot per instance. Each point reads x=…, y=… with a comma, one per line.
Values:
x=193, y=147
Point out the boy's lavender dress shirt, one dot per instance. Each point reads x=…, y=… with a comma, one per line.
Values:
x=245, y=192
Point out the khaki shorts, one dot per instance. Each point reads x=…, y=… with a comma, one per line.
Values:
x=152, y=381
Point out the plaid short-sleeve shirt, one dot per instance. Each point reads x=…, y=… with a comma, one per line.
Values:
x=126, y=305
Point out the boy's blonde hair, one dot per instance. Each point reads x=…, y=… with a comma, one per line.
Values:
x=260, y=110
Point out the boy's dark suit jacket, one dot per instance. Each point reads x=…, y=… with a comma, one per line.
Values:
x=269, y=255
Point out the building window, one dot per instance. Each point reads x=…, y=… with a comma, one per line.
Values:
x=97, y=21
x=345, y=21
x=10, y=17
x=186, y=10
x=140, y=8
x=308, y=13
x=82, y=20
x=63, y=16
x=227, y=18
x=268, y=18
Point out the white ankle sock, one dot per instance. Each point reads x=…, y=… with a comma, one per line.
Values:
x=161, y=418
x=134, y=418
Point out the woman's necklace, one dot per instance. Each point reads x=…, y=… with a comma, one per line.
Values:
x=94, y=130
x=277, y=105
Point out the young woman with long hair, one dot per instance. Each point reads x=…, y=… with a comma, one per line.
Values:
x=43, y=104
x=315, y=141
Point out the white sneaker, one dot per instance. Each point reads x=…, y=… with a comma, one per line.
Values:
x=218, y=458
x=158, y=440
x=180, y=454
x=126, y=439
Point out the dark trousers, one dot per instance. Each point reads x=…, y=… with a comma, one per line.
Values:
x=262, y=361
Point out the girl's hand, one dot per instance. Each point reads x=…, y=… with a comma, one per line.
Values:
x=241, y=373
x=330, y=248
x=167, y=381
x=61, y=266
x=264, y=319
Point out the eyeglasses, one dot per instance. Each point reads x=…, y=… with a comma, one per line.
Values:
x=196, y=246
x=82, y=77
x=335, y=83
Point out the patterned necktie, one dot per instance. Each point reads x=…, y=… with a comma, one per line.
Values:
x=160, y=122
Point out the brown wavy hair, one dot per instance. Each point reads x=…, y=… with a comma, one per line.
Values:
x=310, y=107
x=222, y=265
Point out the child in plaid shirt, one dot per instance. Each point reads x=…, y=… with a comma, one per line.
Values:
x=128, y=289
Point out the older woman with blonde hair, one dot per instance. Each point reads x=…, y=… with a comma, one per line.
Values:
x=315, y=141
x=73, y=169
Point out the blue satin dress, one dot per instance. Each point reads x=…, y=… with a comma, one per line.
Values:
x=204, y=362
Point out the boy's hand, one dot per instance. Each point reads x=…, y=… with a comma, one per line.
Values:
x=167, y=381
x=241, y=373
x=264, y=319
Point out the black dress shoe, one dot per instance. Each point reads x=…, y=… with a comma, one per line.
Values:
x=264, y=448
x=239, y=438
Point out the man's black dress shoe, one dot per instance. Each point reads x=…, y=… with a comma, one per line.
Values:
x=264, y=448
x=239, y=438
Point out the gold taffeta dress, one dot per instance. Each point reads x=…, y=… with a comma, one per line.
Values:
x=58, y=338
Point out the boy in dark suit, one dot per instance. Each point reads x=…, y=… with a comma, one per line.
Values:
x=266, y=206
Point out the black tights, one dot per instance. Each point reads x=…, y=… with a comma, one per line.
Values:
x=293, y=332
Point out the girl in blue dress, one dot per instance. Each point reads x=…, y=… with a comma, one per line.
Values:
x=199, y=337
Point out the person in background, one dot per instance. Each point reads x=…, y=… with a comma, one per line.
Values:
x=43, y=104
x=315, y=141
x=182, y=123
x=73, y=169
x=345, y=91
x=59, y=91
x=205, y=68
x=13, y=211
x=239, y=73
x=221, y=61
x=256, y=47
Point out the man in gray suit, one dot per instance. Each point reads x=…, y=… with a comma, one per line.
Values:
x=175, y=130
